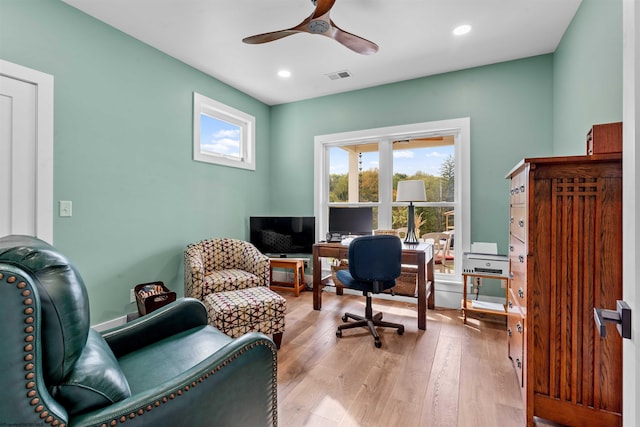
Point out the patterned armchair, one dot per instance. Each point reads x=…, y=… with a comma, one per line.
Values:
x=216, y=265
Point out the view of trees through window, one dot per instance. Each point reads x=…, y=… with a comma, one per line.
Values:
x=355, y=173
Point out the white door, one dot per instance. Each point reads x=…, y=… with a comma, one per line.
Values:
x=630, y=220
x=26, y=152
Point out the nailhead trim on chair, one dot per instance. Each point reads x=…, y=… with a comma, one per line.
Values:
x=29, y=355
x=179, y=392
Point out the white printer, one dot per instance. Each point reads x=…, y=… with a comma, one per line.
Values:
x=485, y=260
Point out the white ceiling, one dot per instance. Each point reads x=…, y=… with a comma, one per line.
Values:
x=415, y=38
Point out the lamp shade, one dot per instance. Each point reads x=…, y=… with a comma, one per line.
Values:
x=411, y=191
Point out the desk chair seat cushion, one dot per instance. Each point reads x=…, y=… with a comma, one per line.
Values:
x=348, y=281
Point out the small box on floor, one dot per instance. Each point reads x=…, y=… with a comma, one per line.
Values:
x=151, y=296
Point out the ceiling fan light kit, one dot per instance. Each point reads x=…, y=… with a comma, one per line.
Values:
x=320, y=23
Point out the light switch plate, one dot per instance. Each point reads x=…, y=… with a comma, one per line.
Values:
x=65, y=208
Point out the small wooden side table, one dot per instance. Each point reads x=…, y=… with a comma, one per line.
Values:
x=297, y=265
x=467, y=304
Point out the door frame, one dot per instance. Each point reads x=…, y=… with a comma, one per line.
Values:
x=630, y=221
x=44, y=143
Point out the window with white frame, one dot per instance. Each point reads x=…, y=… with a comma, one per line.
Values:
x=362, y=168
x=222, y=134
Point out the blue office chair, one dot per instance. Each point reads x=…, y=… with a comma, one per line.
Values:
x=374, y=265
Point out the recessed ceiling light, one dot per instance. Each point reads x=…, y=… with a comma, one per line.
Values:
x=284, y=73
x=462, y=29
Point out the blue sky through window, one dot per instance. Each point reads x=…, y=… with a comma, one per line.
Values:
x=427, y=160
x=219, y=137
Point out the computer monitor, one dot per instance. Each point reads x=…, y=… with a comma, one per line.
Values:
x=355, y=221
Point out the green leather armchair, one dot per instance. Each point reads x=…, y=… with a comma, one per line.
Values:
x=168, y=368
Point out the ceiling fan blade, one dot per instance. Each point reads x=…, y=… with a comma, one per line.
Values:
x=351, y=41
x=322, y=7
x=269, y=37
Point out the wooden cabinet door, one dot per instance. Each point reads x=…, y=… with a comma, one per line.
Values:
x=576, y=241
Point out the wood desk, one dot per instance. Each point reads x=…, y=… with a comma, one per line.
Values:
x=420, y=255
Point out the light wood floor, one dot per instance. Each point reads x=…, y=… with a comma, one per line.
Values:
x=449, y=375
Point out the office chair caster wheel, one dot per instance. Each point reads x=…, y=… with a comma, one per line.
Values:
x=339, y=333
x=401, y=330
x=378, y=344
x=345, y=319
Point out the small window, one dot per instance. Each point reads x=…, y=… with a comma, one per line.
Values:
x=222, y=134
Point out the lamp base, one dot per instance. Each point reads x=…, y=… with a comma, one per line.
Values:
x=411, y=238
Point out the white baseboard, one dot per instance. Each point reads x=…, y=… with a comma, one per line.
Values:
x=110, y=324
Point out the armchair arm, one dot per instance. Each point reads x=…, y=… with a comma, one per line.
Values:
x=234, y=387
x=194, y=271
x=171, y=319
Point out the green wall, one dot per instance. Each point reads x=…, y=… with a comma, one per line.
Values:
x=510, y=106
x=123, y=114
x=587, y=73
x=123, y=151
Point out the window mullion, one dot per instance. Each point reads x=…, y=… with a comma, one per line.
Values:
x=385, y=183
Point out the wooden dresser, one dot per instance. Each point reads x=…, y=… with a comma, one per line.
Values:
x=565, y=259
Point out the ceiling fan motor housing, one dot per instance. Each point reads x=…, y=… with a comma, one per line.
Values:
x=318, y=26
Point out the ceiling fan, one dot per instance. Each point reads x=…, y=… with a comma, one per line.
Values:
x=320, y=23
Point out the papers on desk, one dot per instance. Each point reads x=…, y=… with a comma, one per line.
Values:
x=347, y=240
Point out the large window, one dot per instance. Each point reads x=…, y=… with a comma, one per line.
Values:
x=363, y=168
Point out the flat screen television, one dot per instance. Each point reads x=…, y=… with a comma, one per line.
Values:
x=281, y=235
x=355, y=221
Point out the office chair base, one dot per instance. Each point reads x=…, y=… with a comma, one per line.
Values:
x=370, y=322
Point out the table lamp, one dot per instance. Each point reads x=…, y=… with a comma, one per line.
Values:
x=411, y=191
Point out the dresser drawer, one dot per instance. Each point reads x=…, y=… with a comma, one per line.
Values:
x=515, y=332
x=518, y=273
x=518, y=190
x=518, y=222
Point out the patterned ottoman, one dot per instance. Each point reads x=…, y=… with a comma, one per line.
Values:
x=252, y=309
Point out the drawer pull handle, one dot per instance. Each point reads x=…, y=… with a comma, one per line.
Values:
x=509, y=332
x=510, y=304
x=512, y=248
x=518, y=363
x=521, y=258
x=522, y=188
x=511, y=274
x=521, y=223
x=519, y=327
x=521, y=293
x=511, y=220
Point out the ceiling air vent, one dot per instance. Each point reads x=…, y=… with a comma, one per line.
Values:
x=339, y=75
